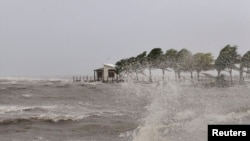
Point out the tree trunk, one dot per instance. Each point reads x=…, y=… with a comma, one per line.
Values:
x=150, y=76
x=241, y=74
x=136, y=73
x=218, y=73
x=163, y=74
x=179, y=75
x=248, y=72
x=175, y=75
x=231, y=76
x=198, y=75
x=191, y=75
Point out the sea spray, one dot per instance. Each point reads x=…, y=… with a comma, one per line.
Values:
x=177, y=111
x=127, y=111
x=160, y=112
x=157, y=100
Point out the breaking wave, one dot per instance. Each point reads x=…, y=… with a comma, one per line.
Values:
x=15, y=109
x=45, y=118
x=42, y=79
x=178, y=112
x=17, y=114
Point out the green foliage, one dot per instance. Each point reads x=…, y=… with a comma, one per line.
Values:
x=219, y=65
x=132, y=64
x=246, y=60
x=171, y=54
x=203, y=61
x=171, y=57
x=142, y=55
x=121, y=65
x=154, y=57
x=154, y=54
x=228, y=56
x=183, y=53
x=226, y=59
x=153, y=60
x=142, y=59
x=183, y=60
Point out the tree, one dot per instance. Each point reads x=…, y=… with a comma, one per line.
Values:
x=118, y=67
x=140, y=63
x=184, y=62
x=219, y=65
x=202, y=61
x=163, y=64
x=246, y=61
x=188, y=64
x=227, y=58
x=153, y=55
x=171, y=57
x=121, y=66
x=241, y=69
x=131, y=65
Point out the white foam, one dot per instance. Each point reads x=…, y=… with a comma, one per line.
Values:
x=178, y=112
x=14, y=80
x=43, y=117
x=27, y=95
x=18, y=108
x=232, y=116
x=56, y=117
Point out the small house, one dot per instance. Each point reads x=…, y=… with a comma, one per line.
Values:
x=105, y=74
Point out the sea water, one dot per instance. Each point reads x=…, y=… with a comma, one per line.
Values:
x=59, y=110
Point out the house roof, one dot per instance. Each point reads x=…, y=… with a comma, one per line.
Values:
x=110, y=65
x=99, y=69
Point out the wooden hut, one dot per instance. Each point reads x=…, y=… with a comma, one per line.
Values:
x=105, y=74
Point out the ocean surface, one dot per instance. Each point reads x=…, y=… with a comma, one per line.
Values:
x=59, y=110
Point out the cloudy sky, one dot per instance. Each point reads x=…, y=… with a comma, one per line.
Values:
x=67, y=37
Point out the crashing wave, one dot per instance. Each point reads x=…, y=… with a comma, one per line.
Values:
x=46, y=118
x=182, y=112
x=14, y=109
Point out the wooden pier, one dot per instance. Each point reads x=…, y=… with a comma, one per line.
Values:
x=92, y=79
x=83, y=79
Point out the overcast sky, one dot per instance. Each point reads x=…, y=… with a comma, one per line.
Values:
x=67, y=37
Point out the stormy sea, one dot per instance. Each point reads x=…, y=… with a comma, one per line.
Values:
x=60, y=110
